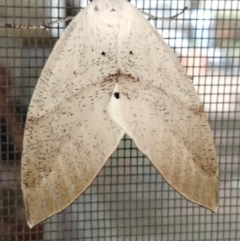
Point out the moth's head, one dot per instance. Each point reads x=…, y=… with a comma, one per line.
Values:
x=110, y=5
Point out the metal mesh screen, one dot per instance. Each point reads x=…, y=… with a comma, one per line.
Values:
x=128, y=200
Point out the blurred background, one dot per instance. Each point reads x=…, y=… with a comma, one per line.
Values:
x=128, y=200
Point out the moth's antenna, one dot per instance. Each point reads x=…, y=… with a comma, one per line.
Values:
x=150, y=16
x=49, y=25
x=45, y=26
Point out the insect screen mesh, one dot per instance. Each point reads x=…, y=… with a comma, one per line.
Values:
x=128, y=200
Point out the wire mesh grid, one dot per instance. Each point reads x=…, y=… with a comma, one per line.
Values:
x=128, y=200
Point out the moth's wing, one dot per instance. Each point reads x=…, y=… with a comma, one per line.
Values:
x=161, y=112
x=68, y=135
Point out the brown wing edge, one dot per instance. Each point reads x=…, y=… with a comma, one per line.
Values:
x=32, y=223
x=213, y=208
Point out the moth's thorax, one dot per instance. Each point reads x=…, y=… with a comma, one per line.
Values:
x=112, y=12
x=106, y=6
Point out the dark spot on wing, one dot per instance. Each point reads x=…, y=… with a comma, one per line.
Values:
x=116, y=95
x=198, y=110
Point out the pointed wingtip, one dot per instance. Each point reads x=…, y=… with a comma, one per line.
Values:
x=30, y=225
x=215, y=210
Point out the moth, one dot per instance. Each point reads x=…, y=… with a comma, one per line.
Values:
x=109, y=74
